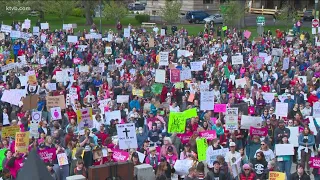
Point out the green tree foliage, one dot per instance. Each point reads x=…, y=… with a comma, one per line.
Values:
x=287, y=14
x=13, y=8
x=170, y=12
x=60, y=8
x=115, y=10
x=233, y=12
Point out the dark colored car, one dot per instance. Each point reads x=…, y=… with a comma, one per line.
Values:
x=196, y=16
x=308, y=15
x=136, y=7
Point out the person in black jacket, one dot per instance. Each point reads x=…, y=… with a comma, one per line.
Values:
x=260, y=165
x=216, y=173
x=300, y=174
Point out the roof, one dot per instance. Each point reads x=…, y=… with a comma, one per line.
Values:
x=34, y=168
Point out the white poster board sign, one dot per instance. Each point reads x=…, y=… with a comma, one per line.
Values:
x=163, y=58
x=207, y=100
x=72, y=39
x=284, y=149
x=247, y=121
x=237, y=60
x=160, y=76
x=112, y=115
x=127, y=136
x=281, y=109
x=55, y=113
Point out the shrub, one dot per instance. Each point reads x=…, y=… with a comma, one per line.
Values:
x=77, y=12
x=142, y=18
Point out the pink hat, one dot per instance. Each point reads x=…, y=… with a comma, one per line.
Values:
x=246, y=166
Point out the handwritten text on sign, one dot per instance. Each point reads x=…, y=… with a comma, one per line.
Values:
x=177, y=122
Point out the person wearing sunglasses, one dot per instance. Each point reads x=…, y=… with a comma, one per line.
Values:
x=247, y=173
x=260, y=165
x=268, y=153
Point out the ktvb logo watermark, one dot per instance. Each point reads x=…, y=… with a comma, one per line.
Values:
x=15, y=8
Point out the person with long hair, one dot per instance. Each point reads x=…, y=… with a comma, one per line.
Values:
x=200, y=171
x=260, y=165
x=285, y=162
x=268, y=153
x=186, y=152
x=161, y=171
x=306, y=141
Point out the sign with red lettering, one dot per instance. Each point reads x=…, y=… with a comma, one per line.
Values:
x=47, y=155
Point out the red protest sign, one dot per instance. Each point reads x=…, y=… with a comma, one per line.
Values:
x=258, y=131
x=174, y=75
x=315, y=162
x=209, y=135
x=220, y=108
x=47, y=155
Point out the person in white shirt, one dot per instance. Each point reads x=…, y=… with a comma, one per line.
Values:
x=306, y=111
x=248, y=100
x=97, y=121
x=5, y=117
x=174, y=107
x=232, y=156
x=268, y=153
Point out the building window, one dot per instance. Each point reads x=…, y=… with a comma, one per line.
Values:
x=208, y=1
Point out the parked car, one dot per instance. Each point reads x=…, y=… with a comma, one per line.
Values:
x=216, y=19
x=136, y=7
x=308, y=15
x=196, y=16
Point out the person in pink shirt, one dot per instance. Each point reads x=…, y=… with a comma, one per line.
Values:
x=15, y=164
x=171, y=157
x=166, y=144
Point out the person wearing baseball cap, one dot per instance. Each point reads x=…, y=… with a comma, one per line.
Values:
x=215, y=172
x=281, y=131
x=232, y=156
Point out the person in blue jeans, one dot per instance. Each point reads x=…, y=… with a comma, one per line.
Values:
x=285, y=161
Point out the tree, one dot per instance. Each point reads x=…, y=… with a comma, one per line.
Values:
x=60, y=8
x=115, y=11
x=13, y=8
x=170, y=12
x=88, y=6
x=233, y=13
x=287, y=14
x=37, y=5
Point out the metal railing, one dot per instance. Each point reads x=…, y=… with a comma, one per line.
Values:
x=268, y=11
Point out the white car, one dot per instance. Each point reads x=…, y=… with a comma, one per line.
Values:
x=216, y=19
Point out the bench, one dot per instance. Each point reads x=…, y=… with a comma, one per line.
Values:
x=148, y=25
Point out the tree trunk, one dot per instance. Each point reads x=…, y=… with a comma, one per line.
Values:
x=87, y=9
x=242, y=20
x=41, y=15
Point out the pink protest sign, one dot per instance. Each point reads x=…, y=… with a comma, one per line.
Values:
x=120, y=156
x=315, y=162
x=247, y=34
x=174, y=75
x=258, y=131
x=76, y=60
x=185, y=137
x=47, y=154
x=300, y=129
x=214, y=120
x=220, y=108
x=158, y=150
x=210, y=135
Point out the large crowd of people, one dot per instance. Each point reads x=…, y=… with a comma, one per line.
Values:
x=272, y=79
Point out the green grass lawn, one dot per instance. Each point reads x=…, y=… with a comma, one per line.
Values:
x=56, y=23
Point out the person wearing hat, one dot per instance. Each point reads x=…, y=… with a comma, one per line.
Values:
x=142, y=135
x=166, y=143
x=109, y=157
x=152, y=158
x=247, y=173
x=290, y=102
x=51, y=171
x=154, y=134
x=215, y=172
x=281, y=131
x=232, y=156
x=101, y=134
x=171, y=157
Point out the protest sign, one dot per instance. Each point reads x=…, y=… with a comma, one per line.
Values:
x=294, y=133
x=55, y=113
x=316, y=109
x=231, y=119
x=22, y=142
x=177, y=122
x=72, y=39
x=285, y=64
x=207, y=100
x=237, y=59
x=15, y=34
x=6, y=28
x=247, y=34
x=123, y=99
x=284, y=149
x=52, y=86
x=108, y=50
x=248, y=121
x=281, y=109
x=33, y=129
x=160, y=76
x=120, y=156
x=258, y=131
x=47, y=155
x=36, y=116
x=277, y=52
x=220, y=108
x=13, y=96
x=84, y=68
x=2, y=157
x=190, y=113
x=182, y=167
x=56, y=101
x=202, y=146
x=8, y=67
x=242, y=108
x=35, y=30
x=241, y=82
x=212, y=155
x=127, y=136
x=9, y=131
x=315, y=162
x=84, y=118
x=185, y=137
x=210, y=135
x=174, y=75
x=126, y=32
x=268, y=97
x=274, y=175
x=196, y=66
x=62, y=159
x=163, y=58
x=44, y=25
x=112, y=115
x=137, y=92
x=2, y=36
x=185, y=74
x=66, y=26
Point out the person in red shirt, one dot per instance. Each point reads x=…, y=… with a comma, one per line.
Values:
x=69, y=136
x=102, y=135
x=312, y=98
x=71, y=114
x=266, y=87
